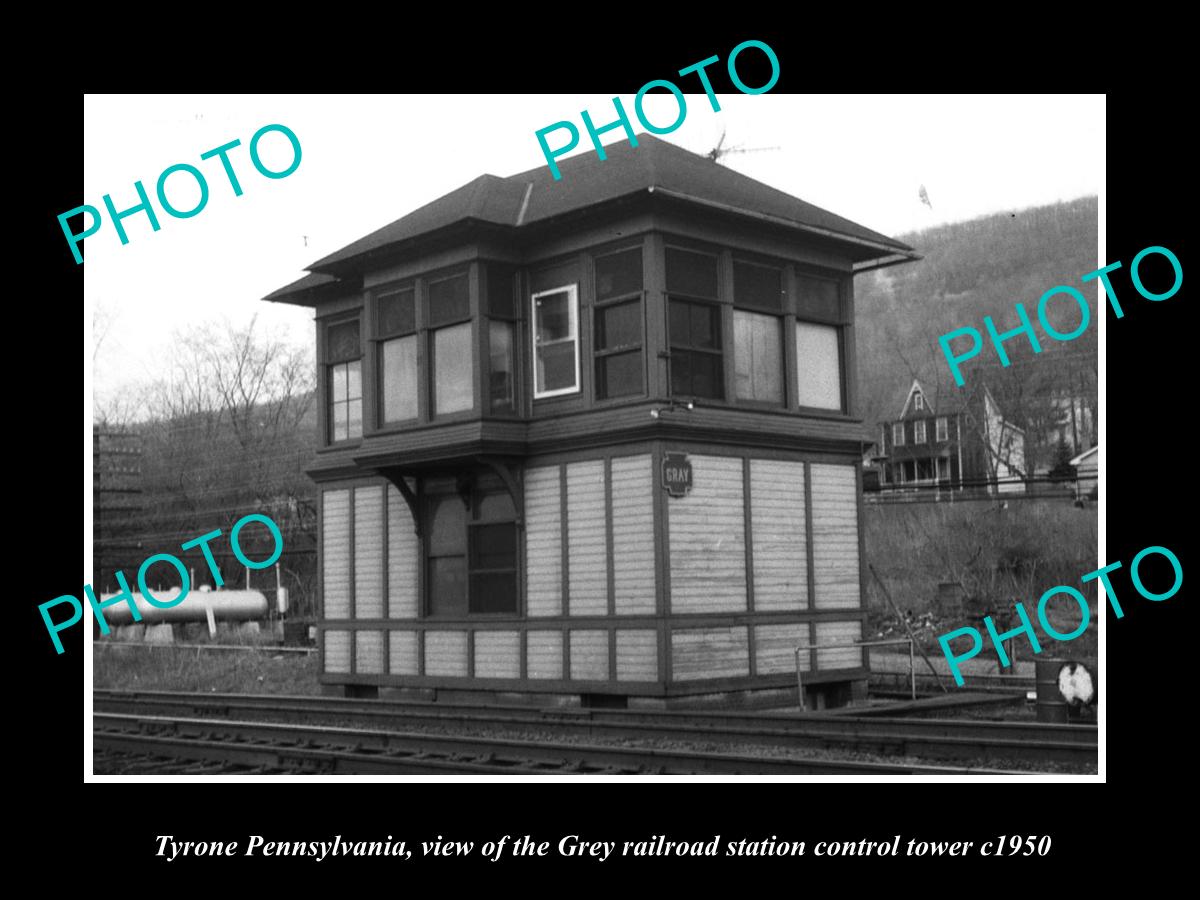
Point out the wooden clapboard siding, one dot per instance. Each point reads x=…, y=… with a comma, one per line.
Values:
x=368, y=652
x=337, y=651
x=446, y=653
x=335, y=555
x=775, y=648
x=709, y=653
x=402, y=649
x=544, y=654
x=497, y=654
x=368, y=552
x=634, y=583
x=587, y=543
x=835, y=536
x=543, y=542
x=839, y=633
x=403, y=583
x=707, y=539
x=637, y=654
x=777, y=526
x=589, y=655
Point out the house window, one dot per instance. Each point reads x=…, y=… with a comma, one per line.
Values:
x=919, y=431
x=942, y=428
x=396, y=324
x=697, y=366
x=898, y=434
x=556, y=341
x=918, y=401
x=943, y=468
x=883, y=440
x=819, y=366
x=758, y=335
x=343, y=357
x=471, y=551
x=618, y=325
x=502, y=367
x=451, y=350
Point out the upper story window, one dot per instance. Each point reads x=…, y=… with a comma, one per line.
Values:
x=450, y=349
x=882, y=439
x=919, y=431
x=758, y=332
x=819, y=343
x=343, y=364
x=502, y=345
x=942, y=428
x=898, y=434
x=556, y=341
x=694, y=323
x=918, y=401
x=396, y=326
x=618, y=332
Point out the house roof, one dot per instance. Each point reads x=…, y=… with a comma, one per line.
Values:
x=1084, y=455
x=653, y=167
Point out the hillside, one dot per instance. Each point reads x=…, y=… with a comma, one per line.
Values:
x=972, y=269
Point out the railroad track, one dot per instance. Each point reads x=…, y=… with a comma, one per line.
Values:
x=932, y=739
x=224, y=745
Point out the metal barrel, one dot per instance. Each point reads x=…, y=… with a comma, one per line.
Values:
x=227, y=606
x=1051, y=707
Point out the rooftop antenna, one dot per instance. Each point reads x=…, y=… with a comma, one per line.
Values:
x=721, y=150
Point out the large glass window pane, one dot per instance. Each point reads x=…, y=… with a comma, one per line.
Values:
x=554, y=316
x=501, y=292
x=341, y=414
x=619, y=375
x=342, y=342
x=354, y=380
x=502, y=366
x=758, y=356
x=495, y=546
x=619, y=325
x=449, y=300
x=337, y=377
x=704, y=326
x=556, y=367
x=494, y=592
x=758, y=286
x=556, y=347
x=619, y=273
x=399, y=363
x=453, y=370
x=691, y=273
x=819, y=367
x=397, y=313
x=818, y=297
x=706, y=375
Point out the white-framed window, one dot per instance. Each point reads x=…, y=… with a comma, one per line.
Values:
x=898, y=434
x=883, y=440
x=918, y=400
x=942, y=428
x=943, y=468
x=919, y=431
x=555, y=323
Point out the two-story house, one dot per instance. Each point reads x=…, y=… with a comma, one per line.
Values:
x=952, y=441
x=593, y=438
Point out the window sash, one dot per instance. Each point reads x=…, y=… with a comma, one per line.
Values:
x=898, y=434
x=398, y=379
x=345, y=401
x=827, y=390
x=919, y=432
x=942, y=429
x=539, y=346
x=452, y=370
x=758, y=357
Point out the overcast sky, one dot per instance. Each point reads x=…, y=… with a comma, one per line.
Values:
x=368, y=160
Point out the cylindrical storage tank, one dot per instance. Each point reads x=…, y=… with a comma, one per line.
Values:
x=1063, y=686
x=227, y=606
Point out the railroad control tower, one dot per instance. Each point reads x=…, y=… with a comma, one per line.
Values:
x=593, y=440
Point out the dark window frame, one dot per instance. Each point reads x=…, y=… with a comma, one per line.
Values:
x=429, y=344
x=742, y=302
x=599, y=307
x=330, y=365
x=471, y=496
x=513, y=320
x=675, y=350
x=381, y=337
